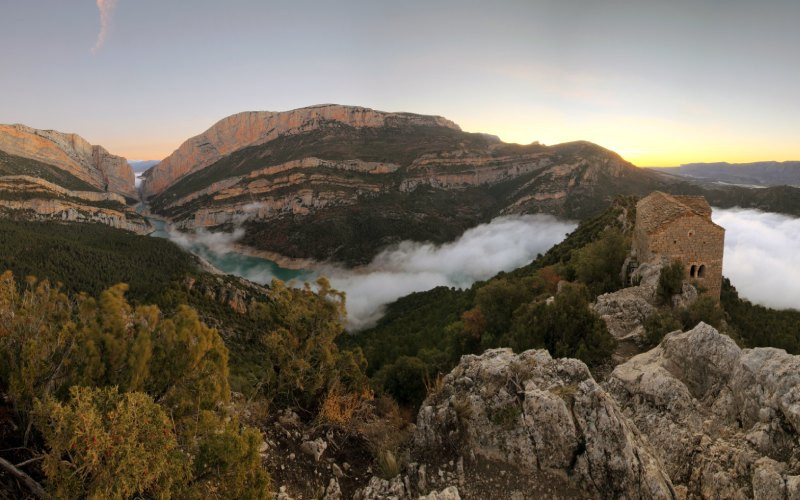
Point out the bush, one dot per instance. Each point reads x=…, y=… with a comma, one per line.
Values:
x=106, y=444
x=567, y=328
x=599, y=263
x=297, y=354
x=670, y=282
x=658, y=325
x=129, y=403
x=405, y=380
x=703, y=309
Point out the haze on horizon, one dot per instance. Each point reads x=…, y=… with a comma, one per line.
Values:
x=661, y=83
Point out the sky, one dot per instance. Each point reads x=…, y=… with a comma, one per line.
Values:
x=660, y=82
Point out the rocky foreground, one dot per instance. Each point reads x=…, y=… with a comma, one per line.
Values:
x=695, y=417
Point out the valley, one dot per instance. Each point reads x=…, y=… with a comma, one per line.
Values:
x=355, y=285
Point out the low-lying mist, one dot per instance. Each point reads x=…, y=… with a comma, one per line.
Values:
x=761, y=249
x=503, y=244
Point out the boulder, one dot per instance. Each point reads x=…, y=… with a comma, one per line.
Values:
x=545, y=419
x=314, y=448
x=723, y=420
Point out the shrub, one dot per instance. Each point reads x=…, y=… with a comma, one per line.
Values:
x=658, y=325
x=670, y=282
x=228, y=463
x=388, y=465
x=405, y=380
x=339, y=409
x=599, y=263
x=129, y=403
x=566, y=328
x=106, y=444
x=298, y=356
x=704, y=309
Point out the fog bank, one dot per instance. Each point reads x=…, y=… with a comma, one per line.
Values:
x=503, y=244
x=761, y=249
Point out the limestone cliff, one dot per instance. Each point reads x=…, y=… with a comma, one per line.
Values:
x=33, y=198
x=72, y=154
x=258, y=127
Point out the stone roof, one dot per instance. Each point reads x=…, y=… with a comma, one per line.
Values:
x=658, y=209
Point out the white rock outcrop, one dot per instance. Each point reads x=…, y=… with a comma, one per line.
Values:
x=724, y=421
x=544, y=420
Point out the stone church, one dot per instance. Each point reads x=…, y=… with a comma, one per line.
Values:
x=680, y=228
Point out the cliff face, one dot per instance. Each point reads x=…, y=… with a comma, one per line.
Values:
x=33, y=198
x=72, y=154
x=258, y=127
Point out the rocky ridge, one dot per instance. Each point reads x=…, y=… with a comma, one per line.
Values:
x=626, y=310
x=725, y=421
x=73, y=154
x=257, y=127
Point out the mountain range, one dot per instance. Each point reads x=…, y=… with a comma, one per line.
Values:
x=761, y=173
x=337, y=183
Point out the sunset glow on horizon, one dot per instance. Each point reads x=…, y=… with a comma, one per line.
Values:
x=660, y=83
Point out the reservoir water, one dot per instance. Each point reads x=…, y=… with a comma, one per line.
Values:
x=253, y=268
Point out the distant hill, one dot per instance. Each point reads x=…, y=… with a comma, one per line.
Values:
x=762, y=173
x=140, y=166
x=71, y=154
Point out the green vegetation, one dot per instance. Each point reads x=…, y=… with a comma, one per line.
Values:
x=92, y=257
x=759, y=326
x=139, y=400
x=295, y=358
x=658, y=325
x=122, y=401
x=670, y=282
x=599, y=263
x=567, y=328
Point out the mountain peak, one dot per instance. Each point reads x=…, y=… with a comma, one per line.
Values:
x=250, y=128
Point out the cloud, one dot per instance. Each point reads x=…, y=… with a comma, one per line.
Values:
x=760, y=256
x=106, y=7
x=504, y=244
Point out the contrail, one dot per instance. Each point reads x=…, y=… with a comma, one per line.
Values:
x=105, y=7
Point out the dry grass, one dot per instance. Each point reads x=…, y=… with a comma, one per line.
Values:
x=340, y=409
x=435, y=386
x=388, y=465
